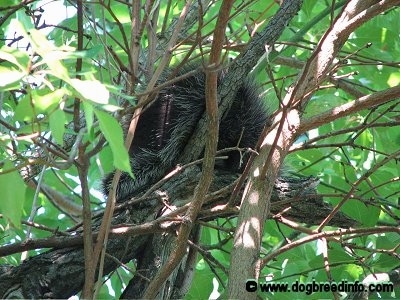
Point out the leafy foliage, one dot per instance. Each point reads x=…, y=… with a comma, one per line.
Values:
x=65, y=87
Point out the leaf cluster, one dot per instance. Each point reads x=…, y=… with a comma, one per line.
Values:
x=66, y=86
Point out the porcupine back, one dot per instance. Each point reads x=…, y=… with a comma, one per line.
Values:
x=165, y=127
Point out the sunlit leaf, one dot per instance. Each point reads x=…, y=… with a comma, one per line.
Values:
x=15, y=56
x=91, y=90
x=57, y=125
x=113, y=133
x=10, y=78
x=12, y=195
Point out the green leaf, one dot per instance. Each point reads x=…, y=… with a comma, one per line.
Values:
x=14, y=56
x=44, y=100
x=385, y=262
x=93, y=51
x=7, y=3
x=337, y=255
x=13, y=195
x=13, y=69
x=365, y=214
x=24, y=111
x=355, y=271
x=57, y=121
x=88, y=111
x=51, y=55
x=22, y=23
x=390, y=240
x=121, y=12
x=202, y=283
x=113, y=133
x=92, y=90
x=10, y=78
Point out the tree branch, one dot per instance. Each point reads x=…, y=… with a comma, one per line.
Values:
x=346, y=109
x=256, y=198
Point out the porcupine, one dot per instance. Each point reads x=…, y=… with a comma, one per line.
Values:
x=165, y=127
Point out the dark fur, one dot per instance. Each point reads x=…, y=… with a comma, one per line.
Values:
x=166, y=126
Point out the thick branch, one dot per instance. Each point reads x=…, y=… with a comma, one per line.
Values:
x=354, y=14
x=255, y=202
x=46, y=275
